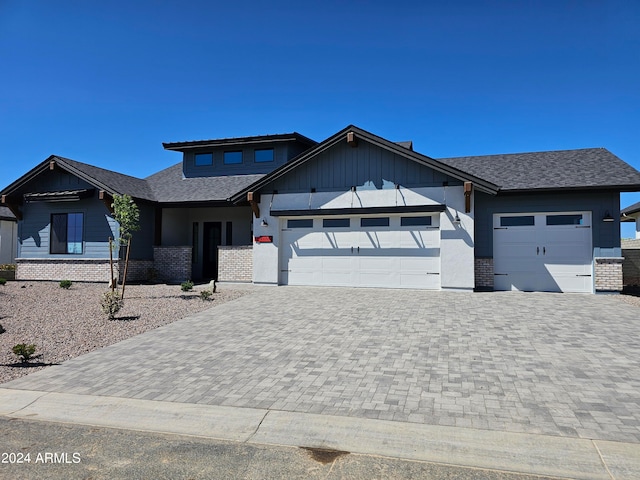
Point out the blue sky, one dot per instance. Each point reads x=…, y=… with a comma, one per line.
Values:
x=107, y=82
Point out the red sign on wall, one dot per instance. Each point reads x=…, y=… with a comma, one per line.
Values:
x=264, y=239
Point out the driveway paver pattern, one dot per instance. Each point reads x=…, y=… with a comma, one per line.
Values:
x=555, y=364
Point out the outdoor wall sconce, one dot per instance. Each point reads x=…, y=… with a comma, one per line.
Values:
x=264, y=223
x=607, y=217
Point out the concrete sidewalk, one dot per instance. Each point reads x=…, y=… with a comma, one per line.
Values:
x=503, y=451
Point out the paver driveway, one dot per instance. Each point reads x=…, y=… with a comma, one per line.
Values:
x=538, y=363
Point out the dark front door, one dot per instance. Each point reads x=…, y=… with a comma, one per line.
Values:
x=212, y=237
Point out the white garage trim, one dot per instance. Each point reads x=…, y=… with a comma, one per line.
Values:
x=549, y=251
x=392, y=251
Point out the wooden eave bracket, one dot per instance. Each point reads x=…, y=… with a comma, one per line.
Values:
x=253, y=198
x=12, y=205
x=352, y=140
x=468, y=188
x=107, y=199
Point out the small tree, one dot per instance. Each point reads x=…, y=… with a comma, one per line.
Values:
x=126, y=213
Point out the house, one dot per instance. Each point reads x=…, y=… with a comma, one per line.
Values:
x=352, y=210
x=8, y=237
x=632, y=214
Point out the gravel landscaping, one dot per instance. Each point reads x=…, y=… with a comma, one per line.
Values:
x=67, y=323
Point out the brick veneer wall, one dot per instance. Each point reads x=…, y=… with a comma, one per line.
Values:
x=76, y=270
x=172, y=264
x=138, y=270
x=235, y=263
x=631, y=266
x=608, y=272
x=484, y=273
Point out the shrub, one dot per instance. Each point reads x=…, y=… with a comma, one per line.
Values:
x=3, y=281
x=186, y=286
x=8, y=266
x=24, y=351
x=65, y=284
x=2, y=330
x=111, y=303
x=205, y=295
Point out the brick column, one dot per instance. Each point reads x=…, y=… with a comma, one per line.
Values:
x=608, y=273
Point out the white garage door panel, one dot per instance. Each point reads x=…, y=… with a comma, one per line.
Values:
x=391, y=257
x=544, y=256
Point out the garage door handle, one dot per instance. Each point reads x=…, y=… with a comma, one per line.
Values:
x=537, y=250
x=358, y=249
x=544, y=250
x=351, y=249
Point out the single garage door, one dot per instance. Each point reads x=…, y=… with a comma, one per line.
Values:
x=545, y=252
x=391, y=251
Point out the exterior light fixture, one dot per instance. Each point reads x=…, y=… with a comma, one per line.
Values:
x=264, y=223
x=607, y=217
x=456, y=220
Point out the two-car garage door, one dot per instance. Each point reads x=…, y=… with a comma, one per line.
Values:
x=548, y=252
x=391, y=251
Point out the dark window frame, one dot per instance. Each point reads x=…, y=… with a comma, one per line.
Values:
x=518, y=221
x=256, y=155
x=300, y=223
x=374, y=222
x=208, y=163
x=64, y=233
x=336, y=223
x=421, y=221
x=567, y=219
x=232, y=154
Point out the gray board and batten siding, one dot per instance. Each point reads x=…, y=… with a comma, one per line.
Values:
x=605, y=235
x=341, y=167
x=34, y=232
x=282, y=153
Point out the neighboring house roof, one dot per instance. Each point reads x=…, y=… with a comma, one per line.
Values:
x=401, y=148
x=170, y=186
x=6, y=214
x=589, y=168
x=626, y=212
x=197, y=144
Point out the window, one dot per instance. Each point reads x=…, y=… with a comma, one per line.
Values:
x=231, y=158
x=66, y=233
x=336, y=223
x=203, y=159
x=521, y=221
x=374, y=222
x=564, y=219
x=300, y=223
x=264, y=155
x=415, y=221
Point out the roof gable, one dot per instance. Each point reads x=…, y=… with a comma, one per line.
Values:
x=355, y=134
x=107, y=180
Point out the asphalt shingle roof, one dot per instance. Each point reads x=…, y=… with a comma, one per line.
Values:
x=635, y=208
x=110, y=180
x=170, y=186
x=584, y=168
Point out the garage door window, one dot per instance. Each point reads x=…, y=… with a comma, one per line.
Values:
x=415, y=221
x=564, y=219
x=519, y=221
x=300, y=223
x=336, y=223
x=374, y=222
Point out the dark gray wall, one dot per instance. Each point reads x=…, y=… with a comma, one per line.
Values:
x=342, y=166
x=606, y=235
x=34, y=230
x=282, y=153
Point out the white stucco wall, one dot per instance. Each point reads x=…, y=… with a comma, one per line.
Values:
x=457, y=241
